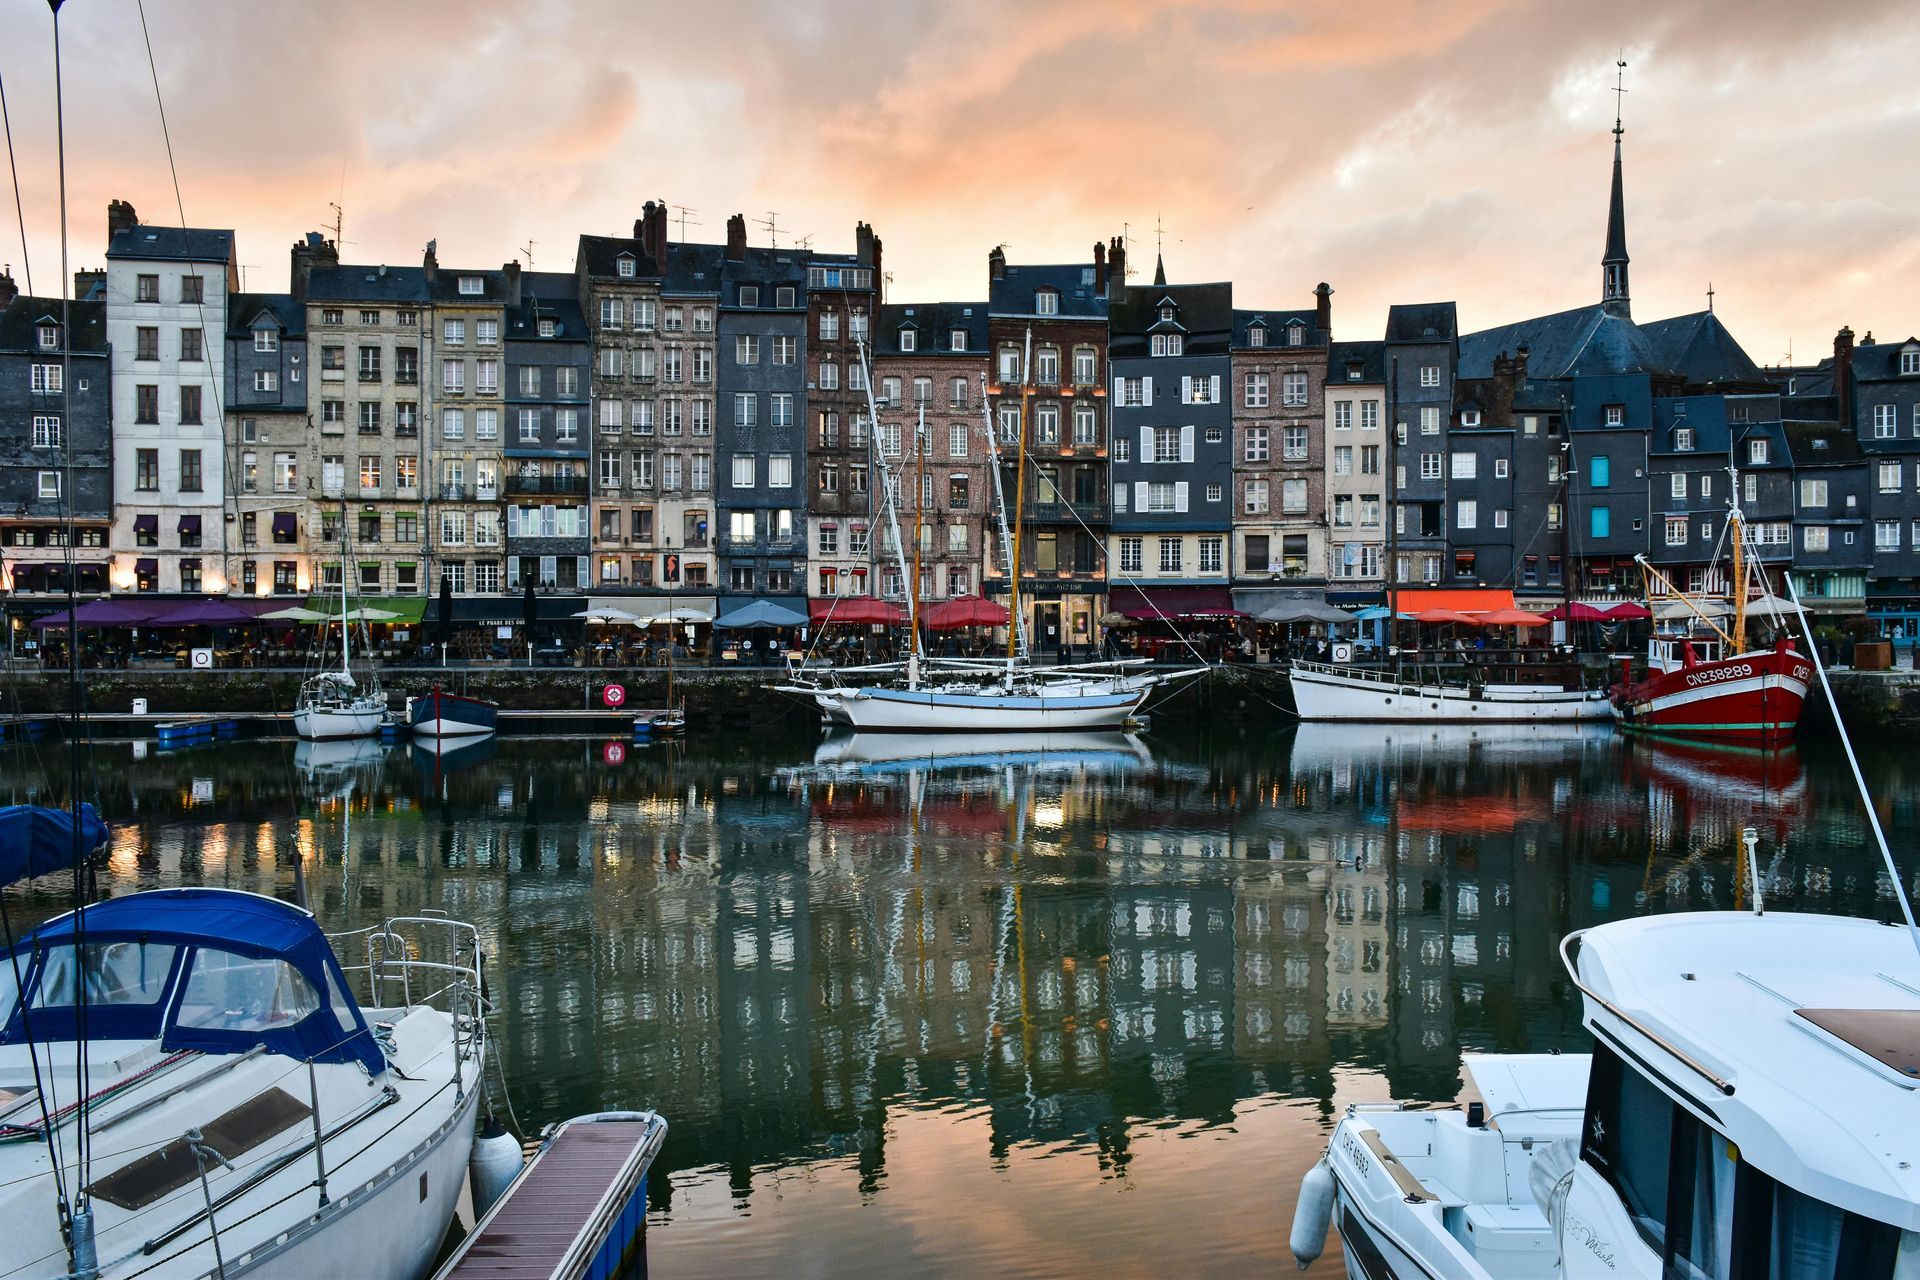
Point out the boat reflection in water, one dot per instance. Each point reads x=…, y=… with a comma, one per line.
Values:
x=922, y=1007
x=450, y=755
x=321, y=758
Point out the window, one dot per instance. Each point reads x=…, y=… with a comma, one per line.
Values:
x=1123, y=450
x=746, y=347
x=1429, y=375
x=1343, y=460
x=1466, y=514
x=1254, y=497
x=190, y=481
x=1910, y=361
x=746, y=408
x=1255, y=443
x=1255, y=393
x=146, y=343
x=1085, y=366
x=1429, y=466
x=1130, y=554
x=1886, y=422
x=1168, y=344
x=1683, y=439
x=743, y=471
x=1046, y=366
x=1343, y=415
x=780, y=471
x=1677, y=485
x=780, y=409
x=486, y=376
x=1256, y=335
x=192, y=346
x=1086, y=425
x=453, y=333
x=1166, y=445
x=1814, y=537
x=266, y=380
x=1293, y=389
x=370, y=474
x=1465, y=466
x=1046, y=302
x=47, y=433
x=266, y=340
x=1890, y=477
x=472, y=285
x=453, y=376
x=1616, y=415
x=1170, y=555
x=147, y=289
x=1886, y=535
x=193, y=288
x=1599, y=471
x=1813, y=493
x=1293, y=497
x=1429, y=420
x=1676, y=530
x=190, y=406
x=453, y=424
x=829, y=378
x=1293, y=446
x=49, y=484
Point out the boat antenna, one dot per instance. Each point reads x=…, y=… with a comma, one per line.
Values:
x=1853, y=763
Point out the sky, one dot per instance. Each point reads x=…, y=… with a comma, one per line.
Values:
x=1403, y=151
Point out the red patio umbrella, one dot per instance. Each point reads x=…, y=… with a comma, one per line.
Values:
x=855, y=609
x=1512, y=618
x=1629, y=612
x=965, y=611
x=1446, y=616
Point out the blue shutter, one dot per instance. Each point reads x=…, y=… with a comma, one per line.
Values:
x=1599, y=472
x=1602, y=521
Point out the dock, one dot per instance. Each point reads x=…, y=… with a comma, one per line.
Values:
x=181, y=729
x=575, y=1212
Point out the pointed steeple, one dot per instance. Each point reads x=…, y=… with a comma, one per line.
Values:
x=1159, y=271
x=1613, y=264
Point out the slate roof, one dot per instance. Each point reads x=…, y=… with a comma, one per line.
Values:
x=1880, y=360
x=1699, y=349
x=1810, y=408
x=21, y=317
x=1423, y=322
x=1205, y=312
x=178, y=244
x=445, y=287
x=368, y=284
x=1013, y=296
x=934, y=323
x=1822, y=444
x=767, y=266
x=600, y=256
x=1276, y=323
x=1808, y=380
x=1705, y=416
x=547, y=295
x=245, y=308
x=1586, y=340
x=693, y=269
x=1371, y=355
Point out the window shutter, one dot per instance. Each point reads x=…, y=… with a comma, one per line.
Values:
x=1215, y=396
x=1119, y=390
x=1146, y=390
x=1180, y=492
x=1186, y=390
x=1119, y=497
x=1146, y=444
x=1140, y=495
x=1186, y=446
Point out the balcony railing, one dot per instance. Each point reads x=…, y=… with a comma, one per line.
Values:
x=543, y=484
x=455, y=493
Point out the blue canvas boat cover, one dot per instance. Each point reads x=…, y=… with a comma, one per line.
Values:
x=36, y=840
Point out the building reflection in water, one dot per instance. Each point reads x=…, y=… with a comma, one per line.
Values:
x=777, y=943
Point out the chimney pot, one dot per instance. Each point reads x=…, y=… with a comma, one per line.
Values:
x=120, y=216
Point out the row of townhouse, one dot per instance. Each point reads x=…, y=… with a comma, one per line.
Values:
x=695, y=422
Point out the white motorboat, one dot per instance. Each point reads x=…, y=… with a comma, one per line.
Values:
x=1748, y=1109
x=240, y=1113
x=1324, y=691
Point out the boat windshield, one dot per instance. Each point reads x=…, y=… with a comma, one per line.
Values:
x=116, y=973
x=1705, y=1211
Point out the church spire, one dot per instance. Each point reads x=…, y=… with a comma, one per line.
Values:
x=1613, y=264
x=1159, y=270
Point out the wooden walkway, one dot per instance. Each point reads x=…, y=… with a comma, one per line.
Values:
x=574, y=1213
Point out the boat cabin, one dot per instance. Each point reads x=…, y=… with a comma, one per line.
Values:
x=216, y=971
x=1676, y=651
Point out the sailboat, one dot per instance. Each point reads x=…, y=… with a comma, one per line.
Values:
x=974, y=695
x=1703, y=680
x=672, y=721
x=331, y=704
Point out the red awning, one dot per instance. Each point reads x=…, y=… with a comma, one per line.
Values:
x=1629, y=612
x=1458, y=599
x=854, y=609
x=1145, y=604
x=964, y=611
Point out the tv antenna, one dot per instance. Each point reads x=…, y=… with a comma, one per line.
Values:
x=682, y=210
x=243, y=274
x=527, y=249
x=803, y=242
x=771, y=224
x=339, y=221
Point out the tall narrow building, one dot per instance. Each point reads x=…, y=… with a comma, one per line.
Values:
x=1278, y=393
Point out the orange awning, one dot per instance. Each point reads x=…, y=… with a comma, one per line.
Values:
x=1460, y=600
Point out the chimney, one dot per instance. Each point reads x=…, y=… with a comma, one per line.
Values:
x=1521, y=355
x=1843, y=373
x=1323, y=310
x=87, y=280
x=737, y=238
x=650, y=229
x=511, y=270
x=309, y=253
x=120, y=216
x=8, y=290
x=996, y=263
x=1099, y=267
x=1116, y=270
x=863, y=243
x=430, y=263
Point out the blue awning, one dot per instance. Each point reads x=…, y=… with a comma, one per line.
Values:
x=761, y=613
x=35, y=840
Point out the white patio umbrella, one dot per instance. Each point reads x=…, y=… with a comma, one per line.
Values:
x=608, y=617
x=297, y=613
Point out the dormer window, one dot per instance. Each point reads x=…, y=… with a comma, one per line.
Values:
x=957, y=340
x=1353, y=371
x=1168, y=344
x=1756, y=453
x=907, y=337
x=1166, y=315
x=1616, y=415
x=1683, y=439
x=546, y=327
x=625, y=266
x=1046, y=302
x=1910, y=360
x=749, y=295
x=1296, y=334
x=49, y=337
x=1469, y=417
x=265, y=339
x=1257, y=336
x=472, y=286
x=783, y=296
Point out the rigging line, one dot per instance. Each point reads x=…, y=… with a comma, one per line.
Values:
x=19, y=210
x=41, y=1088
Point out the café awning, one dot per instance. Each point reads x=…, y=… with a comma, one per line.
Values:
x=760, y=613
x=98, y=613
x=1144, y=604
x=1456, y=599
x=854, y=610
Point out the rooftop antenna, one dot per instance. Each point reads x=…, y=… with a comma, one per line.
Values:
x=682, y=210
x=771, y=224
x=1159, y=236
x=1709, y=297
x=243, y=274
x=804, y=242
x=527, y=249
x=339, y=221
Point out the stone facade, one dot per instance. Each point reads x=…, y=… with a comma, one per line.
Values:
x=843, y=521
x=548, y=432
x=1278, y=396
x=270, y=436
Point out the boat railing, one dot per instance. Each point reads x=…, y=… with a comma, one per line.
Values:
x=425, y=960
x=1568, y=945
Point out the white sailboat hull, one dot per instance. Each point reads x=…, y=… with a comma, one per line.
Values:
x=357, y=720
x=1105, y=705
x=1325, y=693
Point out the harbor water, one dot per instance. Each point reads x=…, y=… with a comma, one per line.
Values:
x=933, y=1007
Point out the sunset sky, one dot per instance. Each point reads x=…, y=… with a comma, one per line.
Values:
x=1404, y=152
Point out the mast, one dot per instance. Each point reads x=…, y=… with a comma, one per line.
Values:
x=1016, y=627
x=346, y=628
x=919, y=516
x=1737, y=533
x=892, y=492
x=1020, y=489
x=1390, y=570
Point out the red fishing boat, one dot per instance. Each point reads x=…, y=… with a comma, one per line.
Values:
x=1703, y=680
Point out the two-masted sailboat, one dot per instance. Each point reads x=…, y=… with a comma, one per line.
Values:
x=975, y=695
x=1703, y=680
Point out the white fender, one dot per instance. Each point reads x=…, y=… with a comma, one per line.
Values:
x=1312, y=1215
x=495, y=1163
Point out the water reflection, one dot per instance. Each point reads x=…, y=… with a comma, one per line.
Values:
x=808, y=953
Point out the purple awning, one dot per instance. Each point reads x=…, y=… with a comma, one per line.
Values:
x=286, y=525
x=1153, y=603
x=146, y=566
x=204, y=613
x=190, y=525
x=146, y=524
x=98, y=613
